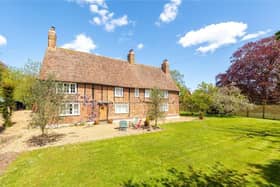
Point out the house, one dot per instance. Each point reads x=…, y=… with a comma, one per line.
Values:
x=102, y=88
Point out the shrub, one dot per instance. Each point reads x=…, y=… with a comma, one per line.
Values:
x=8, y=103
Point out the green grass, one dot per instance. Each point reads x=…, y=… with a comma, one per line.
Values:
x=249, y=146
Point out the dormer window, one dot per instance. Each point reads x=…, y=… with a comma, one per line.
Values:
x=118, y=92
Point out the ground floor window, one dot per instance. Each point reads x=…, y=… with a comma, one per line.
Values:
x=70, y=109
x=121, y=108
x=164, y=107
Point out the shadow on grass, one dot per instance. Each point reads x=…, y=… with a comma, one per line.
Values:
x=269, y=172
x=251, y=132
x=219, y=176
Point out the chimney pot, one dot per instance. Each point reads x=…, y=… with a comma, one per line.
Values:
x=52, y=38
x=131, y=57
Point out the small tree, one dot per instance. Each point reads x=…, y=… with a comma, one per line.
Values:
x=155, y=111
x=46, y=103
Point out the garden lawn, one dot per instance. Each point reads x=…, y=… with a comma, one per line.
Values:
x=250, y=146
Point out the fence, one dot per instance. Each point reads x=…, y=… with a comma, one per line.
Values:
x=270, y=112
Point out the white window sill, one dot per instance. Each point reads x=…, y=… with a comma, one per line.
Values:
x=68, y=115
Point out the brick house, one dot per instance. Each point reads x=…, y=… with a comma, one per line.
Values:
x=102, y=88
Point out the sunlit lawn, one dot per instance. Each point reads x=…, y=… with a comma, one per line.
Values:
x=249, y=146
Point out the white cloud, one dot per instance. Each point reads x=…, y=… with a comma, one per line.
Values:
x=106, y=18
x=255, y=35
x=81, y=43
x=214, y=36
x=98, y=2
x=113, y=23
x=3, y=40
x=140, y=46
x=169, y=12
x=103, y=16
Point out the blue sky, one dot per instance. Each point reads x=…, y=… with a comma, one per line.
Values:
x=196, y=36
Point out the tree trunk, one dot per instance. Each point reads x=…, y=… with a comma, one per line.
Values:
x=43, y=130
x=247, y=112
x=263, y=110
x=156, y=122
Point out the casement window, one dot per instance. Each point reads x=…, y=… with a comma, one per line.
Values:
x=164, y=107
x=165, y=94
x=147, y=93
x=70, y=109
x=121, y=108
x=136, y=92
x=118, y=92
x=66, y=88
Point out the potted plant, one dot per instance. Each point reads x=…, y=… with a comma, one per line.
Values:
x=96, y=122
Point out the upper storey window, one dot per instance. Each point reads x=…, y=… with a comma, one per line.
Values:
x=67, y=88
x=118, y=92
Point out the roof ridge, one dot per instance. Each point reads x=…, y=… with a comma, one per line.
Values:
x=87, y=53
x=102, y=56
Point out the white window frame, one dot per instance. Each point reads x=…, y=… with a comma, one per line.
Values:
x=118, y=92
x=66, y=88
x=121, y=108
x=69, y=106
x=147, y=93
x=136, y=92
x=165, y=94
x=164, y=107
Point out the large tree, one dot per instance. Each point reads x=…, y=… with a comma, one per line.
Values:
x=255, y=70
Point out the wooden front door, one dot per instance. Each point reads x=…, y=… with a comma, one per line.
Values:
x=103, y=112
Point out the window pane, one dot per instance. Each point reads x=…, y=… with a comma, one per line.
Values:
x=73, y=88
x=66, y=88
x=136, y=94
x=76, y=109
x=118, y=92
x=121, y=108
x=147, y=93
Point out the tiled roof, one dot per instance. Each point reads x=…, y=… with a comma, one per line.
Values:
x=74, y=66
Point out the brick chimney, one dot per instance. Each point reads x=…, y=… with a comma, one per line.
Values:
x=165, y=66
x=52, y=38
x=131, y=57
